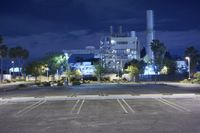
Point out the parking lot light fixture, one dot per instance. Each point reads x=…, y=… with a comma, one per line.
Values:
x=189, y=71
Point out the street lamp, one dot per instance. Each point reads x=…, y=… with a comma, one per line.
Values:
x=13, y=63
x=47, y=69
x=118, y=63
x=188, y=59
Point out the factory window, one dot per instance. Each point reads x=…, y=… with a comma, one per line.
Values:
x=120, y=52
x=122, y=42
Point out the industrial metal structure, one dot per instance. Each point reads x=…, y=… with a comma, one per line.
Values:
x=83, y=59
x=119, y=48
x=150, y=32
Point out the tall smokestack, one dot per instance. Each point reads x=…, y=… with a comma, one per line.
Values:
x=150, y=32
x=111, y=30
x=120, y=29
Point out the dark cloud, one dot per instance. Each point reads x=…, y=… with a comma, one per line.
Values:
x=48, y=25
x=40, y=44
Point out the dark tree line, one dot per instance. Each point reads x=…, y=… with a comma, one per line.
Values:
x=16, y=54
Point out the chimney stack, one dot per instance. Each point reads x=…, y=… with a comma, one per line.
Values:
x=120, y=30
x=111, y=30
x=150, y=32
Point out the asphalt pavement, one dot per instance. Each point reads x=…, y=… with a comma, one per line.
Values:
x=154, y=115
x=93, y=108
x=100, y=89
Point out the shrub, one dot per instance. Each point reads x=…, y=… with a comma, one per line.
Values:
x=21, y=86
x=185, y=81
x=76, y=83
x=38, y=83
x=197, y=75
x=22, y=79
x=105, y=79
x=196, y=78
x=46, y=84
x=196, y=81
x=86, y=81
x=7, y=81
x=60, y=83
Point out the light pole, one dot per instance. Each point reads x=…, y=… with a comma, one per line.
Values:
x=188, y=59
x=13, y=63
x=118, y=63
x=47, y=69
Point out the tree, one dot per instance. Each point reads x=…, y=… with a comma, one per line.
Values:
x=18, y=51
x=3, y=54
x=159, y=51
x=73, y=76
x=194, y=57
x=170, y=63
x=133, y=72
x=19, y=54
x=13, y=55
x=35, y=69
x=142, y=52
x=99, y=69
x=1, y=39
x=55, y=61
x=139, y=64
x=24, y=56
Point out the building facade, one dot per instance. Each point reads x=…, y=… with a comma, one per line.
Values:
x=119, y=48
x=83, y=60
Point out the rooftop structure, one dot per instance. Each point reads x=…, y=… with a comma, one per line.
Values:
x=83, y=59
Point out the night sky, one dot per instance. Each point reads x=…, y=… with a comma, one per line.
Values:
x=52, y=25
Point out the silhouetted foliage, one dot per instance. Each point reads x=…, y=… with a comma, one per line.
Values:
x=159, y=51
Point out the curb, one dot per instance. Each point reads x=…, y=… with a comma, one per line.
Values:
x=97, y=97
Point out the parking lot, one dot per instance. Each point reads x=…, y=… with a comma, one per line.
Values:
x=152, y=115
x=98, y=89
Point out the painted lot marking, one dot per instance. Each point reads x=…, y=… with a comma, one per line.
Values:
x=173, y=105
x=125, y=106
x=29, y=108
x=79, y=109
x=131, y=109
x=75, y=107
x=102, y=93
x=125, y=111
x=3, y=102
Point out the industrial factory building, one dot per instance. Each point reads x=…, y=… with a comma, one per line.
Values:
x=116, y=49
x=119, y=48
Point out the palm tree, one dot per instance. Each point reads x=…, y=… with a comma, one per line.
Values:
x=3, y=54
x=19, y=54
x=24, y=55
x=99, y=70
x=1, y=39
x=194, y=55
x=13, y=55
x=159, y=51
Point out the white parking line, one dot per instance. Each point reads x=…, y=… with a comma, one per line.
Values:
x=173, y=105
x=79, y=109
x=177, y=105
x=122, y=106
x=30, y=107
x=128, y=106
x=3, y=102
x=73, y=108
